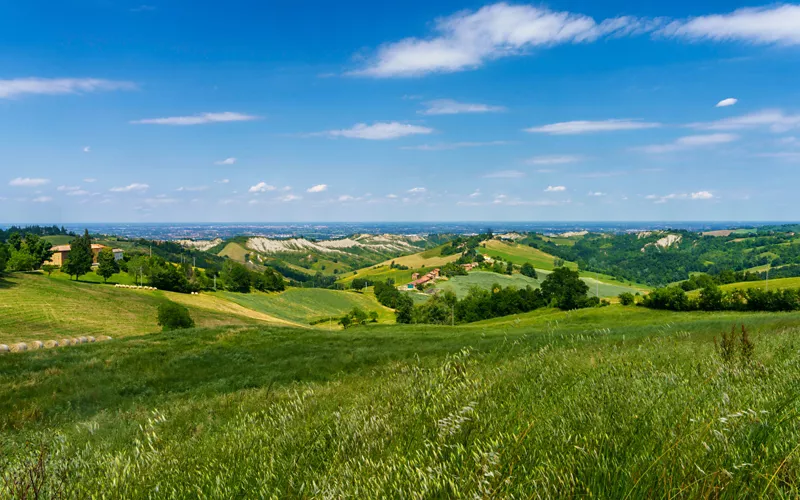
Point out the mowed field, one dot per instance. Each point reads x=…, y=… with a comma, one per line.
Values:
x=234, y=251
x=309, y=305
x=460, y=285
x=520, y=254
x=35, y=307
x=614, y=402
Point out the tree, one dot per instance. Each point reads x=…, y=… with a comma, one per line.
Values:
x=21, y=260
x=564, y=289
x=626, y=299
x=373, y=316
x=3, y=257
x=172, y=316
x=404, y=310
x=79, y=261
x=359, y=284
x=528, y=270
x=236, y=277
x=345, y=321
x=509, y=268
x=711, y=298
x=49, y=268
x=107, y=264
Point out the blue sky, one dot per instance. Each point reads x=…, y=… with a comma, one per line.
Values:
x=353, y=111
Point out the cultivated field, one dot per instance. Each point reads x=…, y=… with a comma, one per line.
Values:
x=419, y=262
x=610, y=403
x=520, y=254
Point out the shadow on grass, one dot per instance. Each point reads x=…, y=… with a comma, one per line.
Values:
x=5, y=283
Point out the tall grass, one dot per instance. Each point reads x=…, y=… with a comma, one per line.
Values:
x=553, y=412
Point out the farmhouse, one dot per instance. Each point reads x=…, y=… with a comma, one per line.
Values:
x=61, y=253
x=430, y=277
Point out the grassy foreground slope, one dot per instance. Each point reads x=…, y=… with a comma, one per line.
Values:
x=35, y=307
x=611, y=403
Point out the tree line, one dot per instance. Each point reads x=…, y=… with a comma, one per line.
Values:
x=713, y=298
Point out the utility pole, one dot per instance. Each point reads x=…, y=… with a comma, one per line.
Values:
x=215, y=283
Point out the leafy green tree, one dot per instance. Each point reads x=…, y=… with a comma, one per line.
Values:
x=373, y=316
x=359, y=284
x=345, y=321
x=3, y=257
x=404, y=309
x=79, y=261
x=626, y=299
x=107, y=264
x=509, y=268
x=236, y=277
x=528, y=270
x=358, y=315
x=564, y=289
x=711, y=298
x=49, y=268
x=21, y=260
x=172, y=316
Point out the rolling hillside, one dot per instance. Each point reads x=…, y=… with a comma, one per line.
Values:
x=35, y=307
x=421, y=262
x=519, y=254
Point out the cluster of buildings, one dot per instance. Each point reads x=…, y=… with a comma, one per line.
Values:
x=416, y=279
x=61, y=253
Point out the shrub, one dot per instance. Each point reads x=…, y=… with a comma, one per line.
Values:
x=627, y=299
x=172, y=316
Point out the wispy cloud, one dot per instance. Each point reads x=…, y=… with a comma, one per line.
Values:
x=553, y=160
x=773, y=119
x=68, y=188
x=226, y=161
x=289, y=197
x=223, y=181
x=42, y=199
x=57, y=86
x=317, y=189
x=417, y=190
x=697, y=195
x=28, y=182
x=444, y=146
x=586, y=127
x=201, y=119
x=596, y=193
x=468, y=39
x=261, y=187
x=555, y=189
x=192, y=188
x=90, y=180
x=78, y=192
x=730, y=101
x=778, y=24
x=379, y=131
x=130, y=187
x=689, y=142
x=87, y=149
x=451, y=107
x=505, y=174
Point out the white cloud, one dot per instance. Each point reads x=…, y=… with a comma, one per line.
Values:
x=702, y=195
x=90, y=180
x=317, y=189
x=730, y=101
x=28, y=182
x=774, y=119
x=468, y=39
x=223, y=181
x=201, y=119
x=553, y=160
x=55, y=86
x=391, y=196
x=261, y=187
x=289, y=197
x=192, y=188
x=555, y=189
x=87, y=149
x=68, y=188
x=417, y=190
x=379, y=131
x=346, y=197
x=475, y=193
x=451, y=107
x=226, y=161
x=78, y=192
x=130, y=187
x=42, y=199
x=778, y=24
x=596, y=193
x=689, y=142
x=443, y=146
x=585, y=127
x=505, y=174
x=699, y=195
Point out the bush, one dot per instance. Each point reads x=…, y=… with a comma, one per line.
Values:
x=627, y=299
x=172, y=316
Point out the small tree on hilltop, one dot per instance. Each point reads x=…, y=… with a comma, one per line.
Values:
x=79, y=261
x=107, y=264
x=49, y=268
x=565, y=289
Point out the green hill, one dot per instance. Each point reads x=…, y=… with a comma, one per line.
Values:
x=35, y=307
x=310, y=305
x=520, y=254
x=421, y=262
x=609, y=403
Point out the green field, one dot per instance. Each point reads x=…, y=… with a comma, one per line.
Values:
x=308, y=305
x=484, y=279
x=775, y=284
x=35, y=307
x=520, y=254
x=234, y=251
x=421, y=262
x=607, y=403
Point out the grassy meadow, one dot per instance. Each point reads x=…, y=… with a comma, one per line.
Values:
x=520, y=254
x=612, y=403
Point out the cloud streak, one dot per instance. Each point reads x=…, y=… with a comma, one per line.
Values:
x=28, y=182
x=690, y=142
x=200, y=119
x=130, y=187
x=10, y=89
x=588, y=127
x=451, y=107
x=379, y=131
